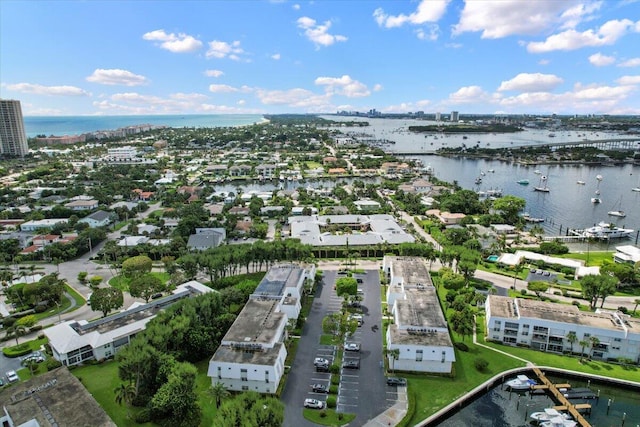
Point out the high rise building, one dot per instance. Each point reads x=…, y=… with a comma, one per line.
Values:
x=438, y=117
x=454, y=116
x=13, y=139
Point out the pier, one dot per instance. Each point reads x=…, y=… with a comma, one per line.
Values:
x=559, y=396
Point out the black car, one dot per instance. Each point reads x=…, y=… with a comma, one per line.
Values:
x=319, y=388
x=351, y=364
x=322, y=368
x=396, y=381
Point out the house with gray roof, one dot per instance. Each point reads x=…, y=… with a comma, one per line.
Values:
x=206, y=238
x=98, y=219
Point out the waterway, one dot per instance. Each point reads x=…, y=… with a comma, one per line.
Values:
x=501, y=408
x=567, y=204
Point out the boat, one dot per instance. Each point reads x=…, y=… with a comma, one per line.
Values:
x=542, y=186
x=636, y=189
x=547, y=415
x=559, y=422
x=580, y=182
x=523, y=182
x=491, y=171
x=478, y=180
x=617, y=210
x=521, y=382
x=596, y=200
x=604, y=230
x=537, y=171
x=552, y=135
x=532, y=219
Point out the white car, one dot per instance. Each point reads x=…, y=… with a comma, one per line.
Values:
x=352, y=346
x=12, y=377
x=313, y=403
x=319, y=361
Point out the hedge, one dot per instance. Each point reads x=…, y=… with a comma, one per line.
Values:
x=17, y=350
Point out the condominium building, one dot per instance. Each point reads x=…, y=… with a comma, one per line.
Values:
x=13, y=139
x=419, y=331
x=546, y=326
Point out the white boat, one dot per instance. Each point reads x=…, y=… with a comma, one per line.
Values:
x=596, y=200
x=580, y=182
x=537, y=171
x=604, y=230
x=521, y=382
x=547, y=415
x=617, y=210
x=636, y=189
x=559, y=422
x=542, y=186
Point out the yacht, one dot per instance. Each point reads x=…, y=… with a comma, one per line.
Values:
x=604, y=230
x=618, y=213
x=521, y=382
x=523, y=182
x=596, y=200
x=580, y=182
x=559, y=422
x=547, y=415
x=636, y=189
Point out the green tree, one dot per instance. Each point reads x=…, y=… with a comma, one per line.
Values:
x=572, y=338
x=176, y=401
x=82, y=277
x=106, y=300
x=94, y=281
x=393, y=355
x=509, y=207
x=596, y=287
x=583, y=344
x=27, y=321
x=17, y=331
x=125, y=393
x=145, y=286
x=538, y=287
x=462, y=322
x=346, y=286
x=137, y=265
x=595, y=342
x=250, y=409
x=219, y=393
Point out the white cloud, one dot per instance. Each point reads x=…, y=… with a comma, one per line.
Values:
x=377, y=87
x=607, y=34
x=432, y=33
x=319, y=33
x=47, y=90
x=298, y=97
x=275, y=56
x=405, y=107
x=502, y=18
x=427, y=11
x=295, y=7
x=213, y=73
x=633, y=62
x=116, y=77
x=344, y=85
x=629, y=80
x=600, y=60
x=468, y=94
x=188, y=96
x=219, y=49
x=531, y=82
x=222, y=89
x=176, y=43
x=544, y=62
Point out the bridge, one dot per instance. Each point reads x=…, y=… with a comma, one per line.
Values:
x=630, y=143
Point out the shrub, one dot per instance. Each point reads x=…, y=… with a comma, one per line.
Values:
x=52, y=364
x=40, y=308
x=334, y=369
x=331, y=402
x=323, y=414
x=576, y=303
x=8, y=321
x=340, y=415
x=462, y=346
x=480, y=364
x=623, y=309
x=333, y=389
x=144, y=416
x=557, y=293
x=523, y=291
x=335, y=379
x=17, y=350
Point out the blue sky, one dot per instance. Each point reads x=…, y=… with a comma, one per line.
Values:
x=213, y=57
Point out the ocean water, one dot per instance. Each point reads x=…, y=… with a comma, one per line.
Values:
x=76, y=125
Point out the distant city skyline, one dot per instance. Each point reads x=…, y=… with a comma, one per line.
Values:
x=278, y=56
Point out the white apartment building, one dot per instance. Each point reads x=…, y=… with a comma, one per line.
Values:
x=251, y=355
x=13, y=138
x=545, y=326
x=74, y=342
x=419, y=331
x=39, y=224
x=122, y=153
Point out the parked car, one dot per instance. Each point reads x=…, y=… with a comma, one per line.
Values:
x=319, y=388
x=359, y=281
x=12, y=377
x=396, y=381
x=352, y=346
x=313, y=403
x=351, y=364
x=320, y=361
x=322, y=368
x=38, y=358
x=358, y=318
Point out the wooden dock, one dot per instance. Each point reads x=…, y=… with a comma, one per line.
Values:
x=545, y=386
x=573, y=410
x=579, y=407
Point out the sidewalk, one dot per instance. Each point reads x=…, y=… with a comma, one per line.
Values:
x=393, y=415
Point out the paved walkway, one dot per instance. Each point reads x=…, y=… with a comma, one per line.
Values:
x=393, y=415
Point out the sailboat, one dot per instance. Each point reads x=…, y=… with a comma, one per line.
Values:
x=617, y=210
x=542, y=186
x=597, y=199
x=637, y=187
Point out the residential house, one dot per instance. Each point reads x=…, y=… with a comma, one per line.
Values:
x=206, y=238
x=239, y=170
x=142, y=195
x=39, y=224
x=337, y=171
x=216, y=170
x=98, y=219
x=266, y=171
x=419, y=330
x=367, y=205
x=82, y=205
x=447, y=218
x=394, y=168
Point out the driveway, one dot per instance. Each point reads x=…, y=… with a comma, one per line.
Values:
x=362, y=391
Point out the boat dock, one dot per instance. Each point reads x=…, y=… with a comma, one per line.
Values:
x=580, y=407
x=546, y=387
x=559, y=396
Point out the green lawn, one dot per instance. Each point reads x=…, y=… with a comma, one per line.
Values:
x=330, y=418
x=595, y=258
x=122, y=283
x=206, y=401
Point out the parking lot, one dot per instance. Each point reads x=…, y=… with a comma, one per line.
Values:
x=366, y=398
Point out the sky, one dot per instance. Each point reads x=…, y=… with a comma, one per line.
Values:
x=115, y=57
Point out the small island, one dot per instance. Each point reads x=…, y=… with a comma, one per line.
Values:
x=467, y=128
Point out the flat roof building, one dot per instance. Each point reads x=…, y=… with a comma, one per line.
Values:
x=419, y=331
x=545, y=326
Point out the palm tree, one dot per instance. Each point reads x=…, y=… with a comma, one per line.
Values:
x=219, y=393
x=583, y=344
x=636, y=302
x=125, y=393
x=394, y=354
x=31, y=364
x=572, y=337
x=17, y=330
x=595, y=341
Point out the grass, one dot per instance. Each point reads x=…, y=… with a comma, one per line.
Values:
x=326, y=339
x=595, y=258
x=122, y=283
x=331, y=417
x=205, y=399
